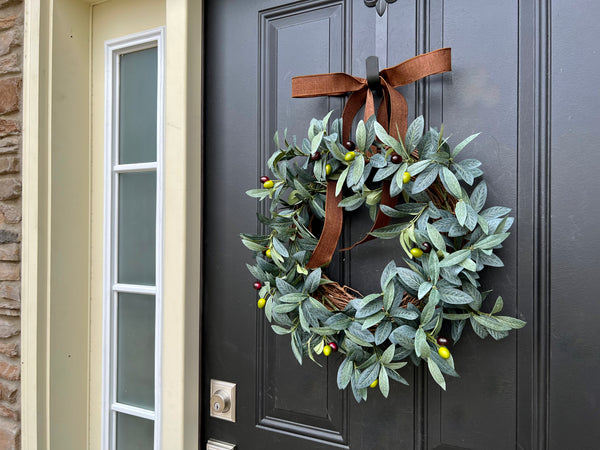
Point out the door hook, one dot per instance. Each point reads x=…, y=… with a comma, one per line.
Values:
x=373, y=74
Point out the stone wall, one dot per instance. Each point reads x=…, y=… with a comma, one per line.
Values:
x=11, y=57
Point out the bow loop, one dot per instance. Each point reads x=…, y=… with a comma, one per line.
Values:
x=392, y=114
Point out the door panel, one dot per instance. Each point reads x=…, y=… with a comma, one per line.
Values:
x=498, y=86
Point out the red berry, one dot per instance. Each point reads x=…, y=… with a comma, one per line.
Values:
x=257, y=285
x=315, y=156
x=396, y=158
x=264, y=179
x=333, y=346
x=442, y=341
x=349, y=145
x=426, y=247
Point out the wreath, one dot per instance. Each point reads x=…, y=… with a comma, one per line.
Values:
x=418, y=192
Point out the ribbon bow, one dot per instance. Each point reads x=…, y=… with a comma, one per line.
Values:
x=391, y=114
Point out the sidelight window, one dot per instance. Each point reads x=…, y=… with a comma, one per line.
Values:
x=133, y=241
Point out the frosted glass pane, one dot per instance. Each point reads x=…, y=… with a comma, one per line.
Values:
x=137, y=106
x=137, y=228
x=135, y=350
x=134, y=433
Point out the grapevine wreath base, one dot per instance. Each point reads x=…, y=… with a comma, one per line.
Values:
x=446, y=235
x=417, y=192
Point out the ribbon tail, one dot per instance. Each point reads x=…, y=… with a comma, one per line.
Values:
x=353, y=105
x=334, y=217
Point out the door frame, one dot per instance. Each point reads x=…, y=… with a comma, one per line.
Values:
x=55, y=126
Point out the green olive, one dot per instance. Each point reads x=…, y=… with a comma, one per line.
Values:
x=328, y=169
x=327, y=350
x=405, y=177
x=349, y=156
x=444, y=352
x=416, y=252
x=374, y=384
x=268, y=184
x=261, y=303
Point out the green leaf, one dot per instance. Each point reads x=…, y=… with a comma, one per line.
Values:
x=491, y=323
x=461, y=212
x=455, y=258
x=280, y=330
x=345, y=373
x=436, y=373
x=340, y=182
x=455, y=296
x=356, y=170
x=491, y=241
x=316, y=141
x=436, y=238
x=335, y=151
x=409, y=278
x=312, y=281
x=361, y=136
x=280, y=248
x=463, y=144
x=294, y=297
x=478, y=196
x=284, y=287
x=424, y=288
x=373, y=320
x=388, y=296
x=421, y=347
x=511, y=321
x=382, y=332
x=258, y=193
x=384, y=382
x=427, y=313
x=388, y=273
x=404, y=313
x=253, y=246
x=497, y=306
x=368, y=375
x=434, y=267
x=352, y=202
x=450, y=182
x=285, y=308
x=414, y=133
x=296, y=347
x=388, y=354
x=425, y=179
x=368, y=309
x=389, y=141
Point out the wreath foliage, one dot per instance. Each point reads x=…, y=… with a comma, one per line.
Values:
x=447, y=236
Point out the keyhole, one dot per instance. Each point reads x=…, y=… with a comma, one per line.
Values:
x=217, y=407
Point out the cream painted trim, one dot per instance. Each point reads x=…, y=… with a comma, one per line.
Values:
x=29, y=273
x=182, y=256
x=182, y=268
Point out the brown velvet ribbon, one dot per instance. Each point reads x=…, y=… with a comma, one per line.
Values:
x=391, y=114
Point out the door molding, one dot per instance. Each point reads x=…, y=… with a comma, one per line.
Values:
x=49, y=28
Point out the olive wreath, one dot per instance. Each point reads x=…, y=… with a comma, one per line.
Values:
x=446, y=233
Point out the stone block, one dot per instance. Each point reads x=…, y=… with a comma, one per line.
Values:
x=10, y=164
x=8, y=393
x=10, y=349
x=10, y=63
x=10, y=94
x=10, y=435
x=10, y=290
x=10, y=252
x=10, y=371
x=10, y=188
x=10, y=271
x=9, y=326
x=9, y=127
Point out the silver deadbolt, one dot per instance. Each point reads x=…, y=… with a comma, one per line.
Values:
x=222, y=400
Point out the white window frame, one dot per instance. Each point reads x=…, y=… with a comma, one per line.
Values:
x=113, y=49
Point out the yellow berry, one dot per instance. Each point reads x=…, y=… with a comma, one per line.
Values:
x=444, y=352
x=350, y=156
x=374, y=384
x=261, y=303
x=268, y=184
x=268, y=253
x=328, y=169
x=327, y=350
x=416, y=252
x=440, y=254
x=405, y=177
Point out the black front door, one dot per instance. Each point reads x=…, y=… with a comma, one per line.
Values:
x=499, y=86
